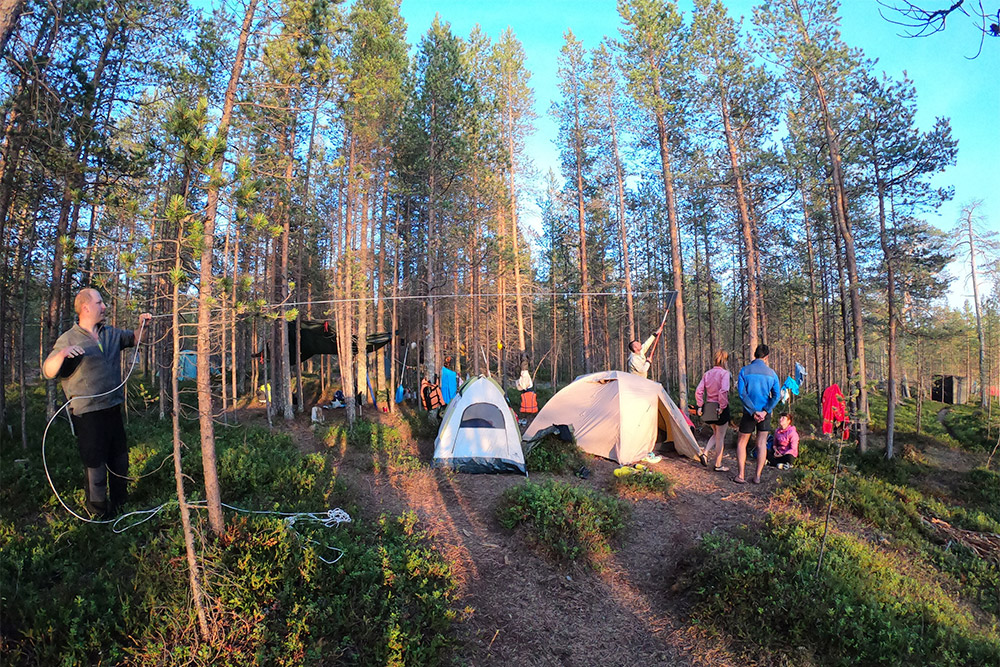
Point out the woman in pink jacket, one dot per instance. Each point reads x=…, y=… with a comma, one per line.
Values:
x=714, y=388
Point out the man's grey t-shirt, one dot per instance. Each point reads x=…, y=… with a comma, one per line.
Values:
x=98, y=370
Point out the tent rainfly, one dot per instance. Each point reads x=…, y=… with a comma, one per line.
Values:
x=615, y=415
x=479, y=431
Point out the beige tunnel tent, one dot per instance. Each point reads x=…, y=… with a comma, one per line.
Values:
x=616, y=415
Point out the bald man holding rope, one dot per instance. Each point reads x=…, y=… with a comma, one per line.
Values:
x=87, y=360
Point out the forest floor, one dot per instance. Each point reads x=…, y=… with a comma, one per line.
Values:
x=518, y=608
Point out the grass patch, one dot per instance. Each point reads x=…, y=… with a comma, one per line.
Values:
x=554, y=455
x=864, y=608
x=981, y=488
x=388, y=449
x=963, y=426
x=646, y=484
x=819, y=454
x=967, y=424
x=564, y=521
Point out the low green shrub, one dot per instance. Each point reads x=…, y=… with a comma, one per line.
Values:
x=564, y=521
x=967, y=424
x=76, y=593
x=385, y=600
x=981, y=487
x=899, y=512
x=554, y=455
x=821, y=454
x=646, y=483
x=863, y=608
x=893, y=509
x=422, y=425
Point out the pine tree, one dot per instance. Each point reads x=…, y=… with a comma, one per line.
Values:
x=805, y=37
x=654, y=45
x=900, y=159
x=435, y=154
x=576, y=136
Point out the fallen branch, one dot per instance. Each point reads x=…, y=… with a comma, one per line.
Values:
x=984, y=545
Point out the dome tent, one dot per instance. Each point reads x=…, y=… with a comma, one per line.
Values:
x=479, y=431
x=617, y=416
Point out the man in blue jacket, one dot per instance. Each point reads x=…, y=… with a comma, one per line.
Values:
x=759, y=390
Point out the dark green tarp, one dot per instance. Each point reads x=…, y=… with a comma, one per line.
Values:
x=320, y=337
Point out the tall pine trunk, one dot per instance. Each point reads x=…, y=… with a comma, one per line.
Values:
x=891, y=399
x=746, y=228
x=675, y=256
x=206, y=410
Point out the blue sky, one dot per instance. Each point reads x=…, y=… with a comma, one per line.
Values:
x=948, y=82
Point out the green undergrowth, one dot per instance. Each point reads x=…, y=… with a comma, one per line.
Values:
x=564, y=521
x=422, y=426
x=388, y=450
x=818, y=454
x=967, y=424
x=554, y=455
x=902, y=515
x=981, y=489
x=647, y=483
x=864, y=607
x=76, y=593
x=962, y=426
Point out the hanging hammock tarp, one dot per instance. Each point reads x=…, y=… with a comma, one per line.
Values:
x=320, y=337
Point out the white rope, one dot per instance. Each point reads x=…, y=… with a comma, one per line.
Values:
x=423, y=297
x=330, y=519
x=151, y=472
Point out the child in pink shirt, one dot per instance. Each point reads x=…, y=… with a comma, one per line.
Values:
x=786, y=444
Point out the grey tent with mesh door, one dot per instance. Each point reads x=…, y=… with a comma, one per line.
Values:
x=479, y=431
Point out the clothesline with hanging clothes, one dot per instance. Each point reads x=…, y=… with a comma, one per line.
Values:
x=423, y=297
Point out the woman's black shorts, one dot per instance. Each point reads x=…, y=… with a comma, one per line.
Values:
x=723, y=419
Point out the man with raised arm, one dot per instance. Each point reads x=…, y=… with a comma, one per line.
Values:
x=87, y=359
x=638, y=364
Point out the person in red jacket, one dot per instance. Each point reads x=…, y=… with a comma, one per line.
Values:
x=834, y=410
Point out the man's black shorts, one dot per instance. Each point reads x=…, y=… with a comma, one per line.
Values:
x=749, y=425
x=100, y=436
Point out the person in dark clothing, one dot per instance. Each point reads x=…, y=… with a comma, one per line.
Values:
x=87, y=359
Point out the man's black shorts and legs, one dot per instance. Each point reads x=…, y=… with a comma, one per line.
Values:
x=748, y=426
x=100, y=436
